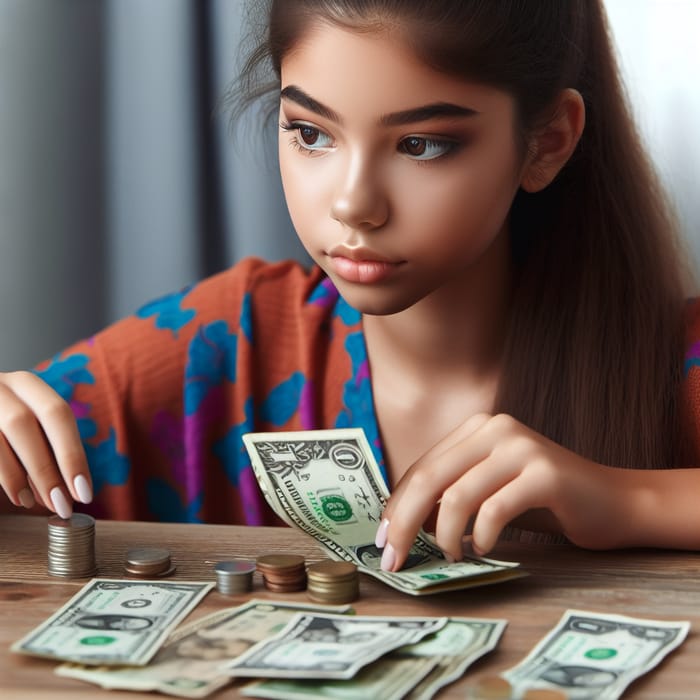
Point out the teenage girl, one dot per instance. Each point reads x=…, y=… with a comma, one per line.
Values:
x=497, y=298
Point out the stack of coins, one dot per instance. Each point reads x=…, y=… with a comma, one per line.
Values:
x=282, y=573
x=72, y=546
x=234, y=577
x=148, y=562
x=333, y=582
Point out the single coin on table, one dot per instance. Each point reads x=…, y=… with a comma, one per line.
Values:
x=147, y=562
x=491, y=688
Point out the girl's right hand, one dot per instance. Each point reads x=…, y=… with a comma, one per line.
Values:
x=41, y=456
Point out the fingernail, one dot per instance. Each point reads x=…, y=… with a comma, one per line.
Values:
x=449, y=558
x=60, y=504
x=380, y=538
x=82, y=488
x=26, y=498
x=388, y=558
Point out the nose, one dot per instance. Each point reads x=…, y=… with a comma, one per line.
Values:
x=360, y=201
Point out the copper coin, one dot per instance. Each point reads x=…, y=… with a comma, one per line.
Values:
x=493, y=688
x=544, y=694
x=161, y=574
x=280, y=561
x=330, y=570
x=148, y=556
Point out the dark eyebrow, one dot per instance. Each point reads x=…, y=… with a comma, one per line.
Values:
x=438, y=110
x=295, y=94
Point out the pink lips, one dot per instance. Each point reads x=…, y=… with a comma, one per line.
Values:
x=362, y=271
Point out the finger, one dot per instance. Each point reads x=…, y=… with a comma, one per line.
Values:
x=424, y=484
x=515, y=498
x=61, y=430
x=442, y=454
x=456, y=436
x=13, y=477
x=28, y=442
x=36, y=494
x=461, y=432
x=462, y=499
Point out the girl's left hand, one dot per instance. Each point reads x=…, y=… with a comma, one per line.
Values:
x=494, y=468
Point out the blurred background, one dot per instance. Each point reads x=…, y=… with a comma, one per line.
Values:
x=120, y=180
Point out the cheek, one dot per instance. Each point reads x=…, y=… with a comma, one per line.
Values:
x=463, y=205
x=299, y=192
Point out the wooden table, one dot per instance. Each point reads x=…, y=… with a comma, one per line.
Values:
x=644, y=583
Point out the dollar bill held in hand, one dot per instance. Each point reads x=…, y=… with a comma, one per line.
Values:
x=330, y=646
x=328, y=484
x=188, y=664
x=112, y=621
x=594, y=656
x=414, y=672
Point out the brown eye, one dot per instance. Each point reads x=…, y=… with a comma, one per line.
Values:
x=414, y=146
x=424, y=148
x=308, y=135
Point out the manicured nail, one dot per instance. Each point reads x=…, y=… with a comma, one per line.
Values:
x=26, y=498
x=388, y=558
x=60, y=504
x=449, y=558
x=380, y=538
x=82, y=488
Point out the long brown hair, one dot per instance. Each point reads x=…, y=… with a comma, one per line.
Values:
x=594, y=352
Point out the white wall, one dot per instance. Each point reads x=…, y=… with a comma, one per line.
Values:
x=659, y=49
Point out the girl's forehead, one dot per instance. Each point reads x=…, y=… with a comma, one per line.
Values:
x=348, y=41
x=377, y=69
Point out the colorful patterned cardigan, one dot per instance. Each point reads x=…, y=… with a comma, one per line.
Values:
x=163, y=397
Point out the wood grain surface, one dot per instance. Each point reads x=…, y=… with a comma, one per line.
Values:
x=643, y=583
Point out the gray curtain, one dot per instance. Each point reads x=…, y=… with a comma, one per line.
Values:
x=119, y=177
x=119, y=180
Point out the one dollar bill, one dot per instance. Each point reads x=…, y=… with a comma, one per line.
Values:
x=328, y=484
x=389, y=678
x=415, y=672
x=112, y=621
x=593, y=656
x=315, y=645
x=189, y=663
x=455, y=648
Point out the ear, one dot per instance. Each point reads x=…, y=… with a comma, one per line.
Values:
x=551, y=146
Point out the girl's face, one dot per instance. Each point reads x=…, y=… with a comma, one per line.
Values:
x=398, y=178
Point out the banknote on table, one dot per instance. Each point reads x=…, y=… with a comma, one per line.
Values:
x=594, y=656
x=327, y=483
x=113, y=621
x=388, y=678
x=188, y=664
x=415, y=672
x=316, y=645
x=456, y=647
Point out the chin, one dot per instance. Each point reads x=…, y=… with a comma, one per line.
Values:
x=374, y=302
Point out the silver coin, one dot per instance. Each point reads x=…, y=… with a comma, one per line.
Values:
x=77, y=520
x=235, y=568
